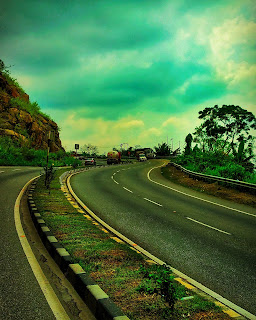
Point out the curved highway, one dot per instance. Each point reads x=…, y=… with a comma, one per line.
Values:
x=211, y=240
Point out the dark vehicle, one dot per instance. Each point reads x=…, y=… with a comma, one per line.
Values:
x=90, y=162
x=113, y=157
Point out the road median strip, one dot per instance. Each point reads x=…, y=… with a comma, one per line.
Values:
x=96, y=299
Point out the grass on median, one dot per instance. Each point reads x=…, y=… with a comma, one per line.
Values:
x=142, y=291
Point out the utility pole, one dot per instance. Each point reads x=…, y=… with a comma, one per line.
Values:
x=50, y=134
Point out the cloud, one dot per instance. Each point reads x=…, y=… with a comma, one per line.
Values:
x=104, y=133
x=132, y=68
x=225, y=38
x=201, y=89
x=134, y=130
x=233, y=46
x=129, y=124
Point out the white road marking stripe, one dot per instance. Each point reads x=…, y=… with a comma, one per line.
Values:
x=114, y=180
x=1, y=171
x=127, y=189
x=16, y=169
x=217, y=204
x=206, y=225
x=158, y=204
x=114, y=173
x=52, y=299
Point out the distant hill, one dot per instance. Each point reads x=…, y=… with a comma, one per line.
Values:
x=22, y=120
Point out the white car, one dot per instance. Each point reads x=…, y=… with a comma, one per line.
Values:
x=90, y=162
x=142, y=158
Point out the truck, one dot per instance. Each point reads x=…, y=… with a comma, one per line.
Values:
x=147, y=152
x=140, y=155
x=113, y=157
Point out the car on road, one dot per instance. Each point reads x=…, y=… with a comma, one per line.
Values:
x=142, y=158
x=90, y=162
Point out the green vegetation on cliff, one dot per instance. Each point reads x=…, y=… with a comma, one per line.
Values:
x=22, y=123
x=31, y=107
x=11, y=154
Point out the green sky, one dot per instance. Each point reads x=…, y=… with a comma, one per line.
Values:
x=134, y=71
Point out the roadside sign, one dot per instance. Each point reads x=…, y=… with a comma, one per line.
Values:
x=76, y=146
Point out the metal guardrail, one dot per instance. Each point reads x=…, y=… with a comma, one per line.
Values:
x=241, y=185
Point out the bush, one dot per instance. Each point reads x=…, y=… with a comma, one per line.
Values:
x=216, y=164
x=159, y=279
x=11, y=154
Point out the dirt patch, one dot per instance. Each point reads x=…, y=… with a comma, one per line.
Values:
x=60, y=235
x=209, y=316
x=79, y=254
x=214, y=189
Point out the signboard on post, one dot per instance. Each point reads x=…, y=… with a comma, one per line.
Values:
x=76, y=147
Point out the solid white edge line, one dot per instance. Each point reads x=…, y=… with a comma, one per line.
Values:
x=52, y=299
x=159, y=261
x=127, y=189
x=206, y=225
x=186, y=194
x=158, y=204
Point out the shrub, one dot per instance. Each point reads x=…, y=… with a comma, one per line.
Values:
x=159, y=279
x=216, y=164
x=12, y=154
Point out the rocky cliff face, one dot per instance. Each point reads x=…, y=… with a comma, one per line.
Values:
x=22, y=121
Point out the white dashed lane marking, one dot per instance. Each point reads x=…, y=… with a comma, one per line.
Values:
x=114, y=180
x=127, y=189
x=158, y=204
x=206, y=225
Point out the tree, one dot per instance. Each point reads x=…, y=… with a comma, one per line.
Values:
x=162, y=149
x=188, y=141
x=90, y=150
x=2, y=66
x=228, y=123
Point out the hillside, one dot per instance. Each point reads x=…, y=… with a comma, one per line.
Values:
x=22, y=120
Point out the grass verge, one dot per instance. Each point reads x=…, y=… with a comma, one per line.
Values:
x=141, y=290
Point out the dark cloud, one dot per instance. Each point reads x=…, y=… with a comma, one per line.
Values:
x=49, y=35
x=122, y=91
x=200, y=5
x=53, y=41
x=204, y=89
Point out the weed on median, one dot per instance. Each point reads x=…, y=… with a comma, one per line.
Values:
x=141, y=290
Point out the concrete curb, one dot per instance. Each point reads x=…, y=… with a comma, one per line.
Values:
x=102, y=307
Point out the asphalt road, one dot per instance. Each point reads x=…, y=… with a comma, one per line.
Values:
x=210, y=243
x=20, y=294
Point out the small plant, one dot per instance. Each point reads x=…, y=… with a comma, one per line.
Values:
x=49, y=175
x=159, y=279
x=76, y=163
